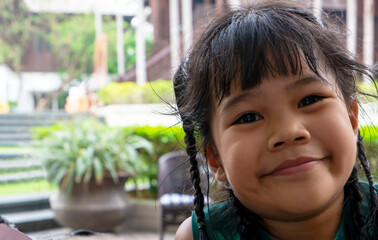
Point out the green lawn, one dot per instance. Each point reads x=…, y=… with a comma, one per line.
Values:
x=6, y=149
x=22, y=188
x=26, y=188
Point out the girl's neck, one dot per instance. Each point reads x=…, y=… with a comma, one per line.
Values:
x=321, y=226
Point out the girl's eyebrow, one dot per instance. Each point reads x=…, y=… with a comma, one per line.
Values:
x=230, y=102
x=303, y=81
x=234, y=100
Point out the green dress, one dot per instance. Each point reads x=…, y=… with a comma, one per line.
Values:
x=221, y=224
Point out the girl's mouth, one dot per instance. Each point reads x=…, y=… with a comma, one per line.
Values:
x=294, y=166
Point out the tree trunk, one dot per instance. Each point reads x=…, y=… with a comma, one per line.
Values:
x=44, y=102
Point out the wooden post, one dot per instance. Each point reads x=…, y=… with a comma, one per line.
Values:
x=100, y=52
x=174, y=34
x=141, y=77
x=351, y=16
x=101, y=60
x=160, y=21
x=187, y=22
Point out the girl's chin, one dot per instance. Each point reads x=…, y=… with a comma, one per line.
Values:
x=297, y=205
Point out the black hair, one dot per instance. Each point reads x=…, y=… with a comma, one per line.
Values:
x=264, y=39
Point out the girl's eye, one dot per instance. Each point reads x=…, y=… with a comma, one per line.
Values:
x=309, y=100
x=249, y=117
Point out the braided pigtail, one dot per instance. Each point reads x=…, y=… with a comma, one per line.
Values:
x=247, y=221
x=181, y=81
x=353, y=193
x=373, y=191
x=195, y=175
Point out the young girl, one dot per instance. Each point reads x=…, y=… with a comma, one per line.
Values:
x=269, y=93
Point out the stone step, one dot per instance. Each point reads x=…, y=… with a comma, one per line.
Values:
x=31, y=221
x=23, y=176
x=37, y=115
x=19, y=164
x=9, y=155
x=14, y=129
x=14, y=143
x=20, y=203
x=26, y=122
x=16, y=136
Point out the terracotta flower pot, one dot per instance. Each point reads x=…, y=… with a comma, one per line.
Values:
x=91, y=206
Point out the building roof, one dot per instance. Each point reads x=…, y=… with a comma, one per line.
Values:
x=106, y=7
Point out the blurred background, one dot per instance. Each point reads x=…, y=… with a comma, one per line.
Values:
x=86, y=94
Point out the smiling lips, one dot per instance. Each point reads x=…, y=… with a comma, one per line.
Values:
x=294, y=166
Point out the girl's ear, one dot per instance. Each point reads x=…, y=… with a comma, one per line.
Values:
x=216, y=168
x=353, y=117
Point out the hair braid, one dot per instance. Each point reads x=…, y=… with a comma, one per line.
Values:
x=373, y=191
x=247, y=221
x=352, y=192
x=195, y=175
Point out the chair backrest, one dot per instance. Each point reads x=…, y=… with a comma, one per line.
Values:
x=174, y=175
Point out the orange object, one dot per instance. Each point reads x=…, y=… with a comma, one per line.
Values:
x=77, y=105
x=4, y=107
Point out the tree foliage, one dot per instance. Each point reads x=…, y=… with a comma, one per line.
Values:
x=71, y=38
x=17, y=26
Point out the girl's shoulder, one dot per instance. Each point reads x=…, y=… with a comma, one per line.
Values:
x=219, y=221
x=184, y=232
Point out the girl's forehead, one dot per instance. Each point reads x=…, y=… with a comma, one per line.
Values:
x=243, y=80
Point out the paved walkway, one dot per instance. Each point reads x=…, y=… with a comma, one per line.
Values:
x=64, y=233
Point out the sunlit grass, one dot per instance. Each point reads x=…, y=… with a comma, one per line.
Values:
x=18, y=150
x=26, y=188
x=22, y=188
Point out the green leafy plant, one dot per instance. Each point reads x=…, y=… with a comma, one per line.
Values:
x=164, y=140
x=84, y=149
x=158, y=91
x=370, y=90
x=120, y=93
x=370, y=133
x=370, y=138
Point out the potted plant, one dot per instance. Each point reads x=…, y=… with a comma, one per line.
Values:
x=90, y=162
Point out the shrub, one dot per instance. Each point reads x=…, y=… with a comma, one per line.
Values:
x=164, y=140
x=84, y=149
x=369, y=88
x=370, y=138
x=158, y=91
x=65, y=146
x=121, y=93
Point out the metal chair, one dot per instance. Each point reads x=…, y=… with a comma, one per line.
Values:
x=175, y=189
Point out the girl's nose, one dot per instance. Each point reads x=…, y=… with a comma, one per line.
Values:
x=286, y=133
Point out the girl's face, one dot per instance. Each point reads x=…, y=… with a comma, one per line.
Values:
x=286, y=147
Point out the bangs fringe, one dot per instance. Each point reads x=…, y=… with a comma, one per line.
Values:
x=258, y=46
